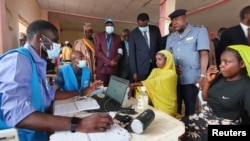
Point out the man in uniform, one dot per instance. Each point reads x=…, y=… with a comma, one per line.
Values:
x=190, y=47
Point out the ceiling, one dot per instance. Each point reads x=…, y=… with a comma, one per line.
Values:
x=72, y=14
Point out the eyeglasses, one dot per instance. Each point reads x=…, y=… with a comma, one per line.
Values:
x=47, y=39
x=47, y=43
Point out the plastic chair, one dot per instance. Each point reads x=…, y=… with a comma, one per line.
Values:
x=9, y=135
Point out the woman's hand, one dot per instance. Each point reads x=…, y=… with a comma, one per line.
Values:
x=212, y=72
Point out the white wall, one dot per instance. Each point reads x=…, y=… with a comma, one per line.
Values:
x=28, y=9
x=70, y=36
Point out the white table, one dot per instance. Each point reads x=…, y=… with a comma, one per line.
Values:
x=9, y=135
x=162, y=128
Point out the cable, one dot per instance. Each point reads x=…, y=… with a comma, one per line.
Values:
x=105, y=103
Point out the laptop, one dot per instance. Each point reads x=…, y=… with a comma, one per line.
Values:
x=115, y=95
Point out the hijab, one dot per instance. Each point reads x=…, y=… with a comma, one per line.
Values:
x=161, y=86
x=244, y=52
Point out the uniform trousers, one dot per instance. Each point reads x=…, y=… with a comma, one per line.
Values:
x=187, y=94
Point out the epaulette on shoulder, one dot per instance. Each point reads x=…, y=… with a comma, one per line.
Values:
x=199, y=26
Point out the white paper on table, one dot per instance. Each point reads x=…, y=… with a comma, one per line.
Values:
x=87, y=103
x=116, y=133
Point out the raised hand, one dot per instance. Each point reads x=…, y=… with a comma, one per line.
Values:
x=212, y=72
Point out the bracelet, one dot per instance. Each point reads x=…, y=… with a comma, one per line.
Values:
x=203, y=75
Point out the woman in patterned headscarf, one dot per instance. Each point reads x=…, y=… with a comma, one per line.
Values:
x=226, y=92
x=161, y=84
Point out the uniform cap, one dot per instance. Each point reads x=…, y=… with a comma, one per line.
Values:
x=106, y=20
x=177, y=13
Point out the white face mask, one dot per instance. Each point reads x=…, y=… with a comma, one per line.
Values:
x=82, y=63
x=109, y=29
x=143, y=29
x=54, y=52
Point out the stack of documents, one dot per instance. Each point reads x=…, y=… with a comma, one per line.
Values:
x=116, y=133
x=87, y=103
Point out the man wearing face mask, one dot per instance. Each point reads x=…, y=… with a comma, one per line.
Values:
x=26, y=96
x=74, y=78
x=108, y=52
x=144, y=42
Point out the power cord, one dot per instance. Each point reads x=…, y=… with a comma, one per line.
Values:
x=105, y=103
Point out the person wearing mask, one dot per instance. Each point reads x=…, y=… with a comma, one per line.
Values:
x=190, y=47
x=144, y=42
x=73, y=79
x=124, y=71
x=226, y=91
x=108, y=52
x=26, y=96
x=86, y=46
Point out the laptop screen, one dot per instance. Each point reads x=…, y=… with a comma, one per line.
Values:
x=117, y=88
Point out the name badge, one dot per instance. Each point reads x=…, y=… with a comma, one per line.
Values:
x=189, y=38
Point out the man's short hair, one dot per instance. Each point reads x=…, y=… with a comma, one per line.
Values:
x=39, y=26
x=244, y=11
x=143, y=17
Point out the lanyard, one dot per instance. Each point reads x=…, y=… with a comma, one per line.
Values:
x=108, y=44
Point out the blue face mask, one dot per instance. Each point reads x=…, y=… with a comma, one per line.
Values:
x=52, y=49
x=144, y=29
x=54, y=52
x=82, y=63
x=109, y=29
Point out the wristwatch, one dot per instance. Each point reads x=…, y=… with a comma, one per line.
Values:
x=74, y=122
x=203, y=75
x=80, y=92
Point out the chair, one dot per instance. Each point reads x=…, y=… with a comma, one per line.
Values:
x=9, y=135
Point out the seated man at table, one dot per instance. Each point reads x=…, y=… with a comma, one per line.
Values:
x=74, y=78
x=26, y=97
